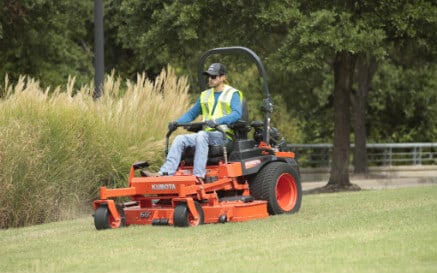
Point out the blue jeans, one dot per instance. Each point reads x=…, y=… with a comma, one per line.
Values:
x=200, y=141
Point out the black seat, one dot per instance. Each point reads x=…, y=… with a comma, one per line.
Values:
x=215, y=154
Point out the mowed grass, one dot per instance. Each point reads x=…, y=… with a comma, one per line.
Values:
x=369, y=231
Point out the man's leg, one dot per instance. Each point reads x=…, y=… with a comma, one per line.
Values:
x=173, y=159
x=201, y=155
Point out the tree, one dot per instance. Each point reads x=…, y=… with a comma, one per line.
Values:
x=365, y=70
x=343, y=34
x=337, y=37
x=405, y=83
x=46, y=39
x=402, y=103
x=343, y=65
x=409, y=27
x=177, y=31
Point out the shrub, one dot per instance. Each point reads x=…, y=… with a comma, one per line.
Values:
x=57, y=147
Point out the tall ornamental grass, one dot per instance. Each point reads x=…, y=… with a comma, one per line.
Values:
x=57, y=147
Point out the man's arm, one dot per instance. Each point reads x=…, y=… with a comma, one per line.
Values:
x=191, y=114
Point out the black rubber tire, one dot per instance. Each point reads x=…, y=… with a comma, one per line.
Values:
x=104, y=220
x=279, y=184
x=182, y=216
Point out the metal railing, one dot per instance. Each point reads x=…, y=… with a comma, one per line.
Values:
x=378, y=154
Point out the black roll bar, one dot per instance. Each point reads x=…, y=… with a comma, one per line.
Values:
x=267, y=105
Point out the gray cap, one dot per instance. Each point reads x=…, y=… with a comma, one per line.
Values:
x=215, y=69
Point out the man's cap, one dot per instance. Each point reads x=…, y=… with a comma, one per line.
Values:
x=215, y=69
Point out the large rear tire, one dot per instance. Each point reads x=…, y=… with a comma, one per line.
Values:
x=279, y=184
x=103, y=219
x=182, y=216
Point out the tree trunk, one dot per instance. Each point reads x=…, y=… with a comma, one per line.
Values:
x=343, y=76
x=366, y=68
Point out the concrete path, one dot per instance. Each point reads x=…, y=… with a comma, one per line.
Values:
x=379, y=183
x=387, y=177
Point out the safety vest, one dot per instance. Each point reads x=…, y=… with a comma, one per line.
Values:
x=222, y=108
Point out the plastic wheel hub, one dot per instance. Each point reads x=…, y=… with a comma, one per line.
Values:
x=286, y=192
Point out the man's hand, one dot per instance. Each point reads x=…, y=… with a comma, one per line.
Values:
x=173, y=125
x=211, y=123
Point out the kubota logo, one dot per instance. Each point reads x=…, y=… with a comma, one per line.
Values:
x=163, y=187
x=252, y=163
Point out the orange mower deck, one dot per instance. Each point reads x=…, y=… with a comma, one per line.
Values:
x=185, y=200
x=155, y=200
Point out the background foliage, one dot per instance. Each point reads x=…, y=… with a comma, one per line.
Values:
x=50, y=40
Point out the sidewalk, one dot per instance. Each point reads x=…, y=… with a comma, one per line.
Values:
x=377, y=184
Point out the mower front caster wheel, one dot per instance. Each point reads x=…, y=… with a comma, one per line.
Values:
x=103, y=218
x=182, y=216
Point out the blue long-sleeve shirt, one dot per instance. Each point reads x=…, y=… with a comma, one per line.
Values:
x=196, y=110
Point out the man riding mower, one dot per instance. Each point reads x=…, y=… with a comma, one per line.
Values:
x=244, y=179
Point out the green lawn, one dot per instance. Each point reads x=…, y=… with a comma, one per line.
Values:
x=367, y=231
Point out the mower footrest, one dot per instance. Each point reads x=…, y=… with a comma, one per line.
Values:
x=130, y=204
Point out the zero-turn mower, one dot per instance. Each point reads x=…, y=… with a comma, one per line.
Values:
x=246, y=179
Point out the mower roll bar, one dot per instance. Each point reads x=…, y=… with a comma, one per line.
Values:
x=267, y=106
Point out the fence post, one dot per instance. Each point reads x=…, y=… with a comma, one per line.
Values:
x=387, y=156
x=417, y=157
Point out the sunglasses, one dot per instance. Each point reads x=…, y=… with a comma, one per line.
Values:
x=213, y=76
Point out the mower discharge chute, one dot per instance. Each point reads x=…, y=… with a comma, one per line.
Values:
x=245, y=180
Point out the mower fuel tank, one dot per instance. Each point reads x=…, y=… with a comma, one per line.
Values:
x=244, y=149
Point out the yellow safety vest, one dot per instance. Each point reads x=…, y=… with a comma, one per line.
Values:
x=222, y=108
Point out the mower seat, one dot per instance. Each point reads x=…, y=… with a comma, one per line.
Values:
x=215, y=154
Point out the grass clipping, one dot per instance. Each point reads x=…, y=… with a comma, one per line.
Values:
x=57, y=147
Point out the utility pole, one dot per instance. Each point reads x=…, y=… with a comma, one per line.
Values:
x=99, y=62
